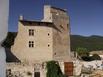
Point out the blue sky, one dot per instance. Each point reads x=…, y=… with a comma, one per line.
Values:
x=86, y=16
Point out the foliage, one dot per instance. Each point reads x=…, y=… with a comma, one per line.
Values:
x=84, y=55
x=92, y=43
x=96, y=57
x=53, y=69
x=82, y=51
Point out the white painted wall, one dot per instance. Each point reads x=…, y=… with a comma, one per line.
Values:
x=77, y=67
x=4, y=10
x=94, y=64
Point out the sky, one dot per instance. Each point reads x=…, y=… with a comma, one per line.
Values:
x=86, y=16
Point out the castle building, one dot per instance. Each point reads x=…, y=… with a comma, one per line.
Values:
x=40, y=41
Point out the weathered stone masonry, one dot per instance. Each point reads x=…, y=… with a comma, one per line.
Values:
x=41, y=41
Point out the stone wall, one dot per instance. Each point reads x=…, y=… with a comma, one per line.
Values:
x=61, y=35
x=25, y=70
x=51, y=42
x=28, y=70
x=43, y=43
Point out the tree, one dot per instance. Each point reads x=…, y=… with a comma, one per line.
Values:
x=53, y=69
x=82, y=52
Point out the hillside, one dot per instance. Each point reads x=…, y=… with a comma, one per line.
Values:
x=91, y=43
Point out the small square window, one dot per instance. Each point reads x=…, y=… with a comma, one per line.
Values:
x=48, y=34
x=48, y=45
x=31, y=44
x=31, y=32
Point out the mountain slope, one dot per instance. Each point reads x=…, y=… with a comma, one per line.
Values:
x=91, y=43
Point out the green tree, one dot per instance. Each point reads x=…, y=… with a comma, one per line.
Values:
x=53, y=69
x=82, y=52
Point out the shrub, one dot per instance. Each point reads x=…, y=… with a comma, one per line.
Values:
x=82, y=51
x=96, y=57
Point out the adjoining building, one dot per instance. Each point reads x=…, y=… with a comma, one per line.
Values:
x=40, y=41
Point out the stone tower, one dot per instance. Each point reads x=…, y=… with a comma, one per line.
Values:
x=61, y=37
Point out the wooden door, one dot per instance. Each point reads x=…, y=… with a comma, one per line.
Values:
x=68, y=68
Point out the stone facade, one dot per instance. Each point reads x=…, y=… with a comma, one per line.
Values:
x=41, y=41
x=25, y=70
x=61, y=38
x=40, y=50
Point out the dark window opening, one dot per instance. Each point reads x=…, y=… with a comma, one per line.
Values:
x=67, y=25
x=48, y=34
x=37, y=74
x=48, y=45
x=55, y=53
x=31, y=44
x=31, y=32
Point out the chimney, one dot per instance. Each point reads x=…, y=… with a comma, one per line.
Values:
x=21, y=17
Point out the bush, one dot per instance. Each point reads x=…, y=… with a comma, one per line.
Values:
x=96, y=57
x=82, y=51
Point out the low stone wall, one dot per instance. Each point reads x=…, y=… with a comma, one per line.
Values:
x=28, y=70
x=19, y=70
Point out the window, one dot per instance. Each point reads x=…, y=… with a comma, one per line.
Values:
x=67, y=25
x=48, y=34
x=31, y=32
x=48, y=45
x=31, y=44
